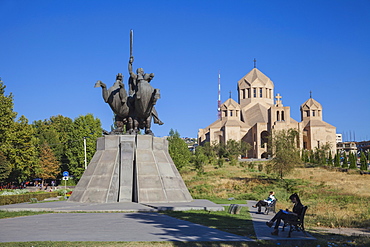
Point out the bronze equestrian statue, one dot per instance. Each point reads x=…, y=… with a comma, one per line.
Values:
x=136, y=110
x=116, y=97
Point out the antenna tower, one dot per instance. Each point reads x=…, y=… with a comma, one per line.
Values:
x=219, y=96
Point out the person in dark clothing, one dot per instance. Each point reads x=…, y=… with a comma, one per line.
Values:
x=286, y=214
x=266, y=202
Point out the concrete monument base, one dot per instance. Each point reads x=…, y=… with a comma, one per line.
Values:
x=129, y=168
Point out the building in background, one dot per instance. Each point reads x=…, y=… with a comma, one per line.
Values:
x=339, y=138
x=257, y=114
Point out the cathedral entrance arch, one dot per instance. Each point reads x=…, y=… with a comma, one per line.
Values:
x=264, y=138
x=264, y=155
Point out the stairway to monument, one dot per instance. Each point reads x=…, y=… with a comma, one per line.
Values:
x=131, y=168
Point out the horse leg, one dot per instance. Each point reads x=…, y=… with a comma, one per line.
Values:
x=130, y=125
x=148, y=125
x=136, y=125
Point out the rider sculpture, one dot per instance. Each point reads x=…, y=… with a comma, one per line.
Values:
x=136, y=110
x=144, y=97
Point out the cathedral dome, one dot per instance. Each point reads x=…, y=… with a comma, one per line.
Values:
x=311, y=104
x=255, y=76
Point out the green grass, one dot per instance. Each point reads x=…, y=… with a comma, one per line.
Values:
x=226, y=201
x=6, y=214
x=240, y=224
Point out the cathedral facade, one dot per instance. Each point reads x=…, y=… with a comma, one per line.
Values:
x=258, y=113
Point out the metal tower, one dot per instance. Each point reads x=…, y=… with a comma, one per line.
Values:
x=219, y=96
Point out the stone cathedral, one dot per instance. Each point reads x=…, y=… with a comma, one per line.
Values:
x=257, y=113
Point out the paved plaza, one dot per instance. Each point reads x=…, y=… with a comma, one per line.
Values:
x=123, y=222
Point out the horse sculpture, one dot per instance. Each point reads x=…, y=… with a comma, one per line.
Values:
x=137, y=109
x=117, y=99
x=145, y=98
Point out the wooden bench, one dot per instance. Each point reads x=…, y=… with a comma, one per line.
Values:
x=271, y=207
x=234, y=209
x=297, y=224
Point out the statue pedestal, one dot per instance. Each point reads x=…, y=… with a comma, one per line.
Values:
x=129, y=168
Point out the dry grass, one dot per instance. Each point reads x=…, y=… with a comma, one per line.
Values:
x=335, y=199
x=355, y=184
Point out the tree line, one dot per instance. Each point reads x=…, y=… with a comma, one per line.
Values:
x=323, y=156
x=44, y=148
x=283, y=147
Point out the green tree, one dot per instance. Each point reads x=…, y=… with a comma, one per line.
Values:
x=312, y=157
x=7, y=119
x=345, y=161
x=178, y=150
x=4, y=167
x=49, y=165
x=330, y=159
x=304, y=156
x=210, y=152
x=7, y=115
x=55, y=131
x=23, y=154
x=284, y=151
x=83, y=127
x=363, y=162
x=199, y=159
x=337, y=160
x=352, y=161
x=236, y=148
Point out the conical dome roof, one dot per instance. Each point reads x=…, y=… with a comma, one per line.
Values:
x=256, y=76
x=230, y=104
x=311, y=104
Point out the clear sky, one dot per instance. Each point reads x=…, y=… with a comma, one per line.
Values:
x=53, y=52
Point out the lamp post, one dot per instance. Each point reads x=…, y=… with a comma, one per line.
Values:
x=85, y=153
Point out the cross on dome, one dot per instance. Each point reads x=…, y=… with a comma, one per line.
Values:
x=278, y=100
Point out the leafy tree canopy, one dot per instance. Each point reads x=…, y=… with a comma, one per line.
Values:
x=284, y=151
x=178, y=149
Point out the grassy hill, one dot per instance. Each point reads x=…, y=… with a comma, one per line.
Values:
x=335, y=199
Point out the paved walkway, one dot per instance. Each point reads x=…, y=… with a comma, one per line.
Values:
x=134, y=222
x=66, y=206
x=263, y=232
x=107, y=227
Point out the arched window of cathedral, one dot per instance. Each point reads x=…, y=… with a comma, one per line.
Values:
x=313, y=113
x=231, y=113
x=225, y=113
x=248, y=92
x=243, y=93
x=307, y=113
x=254, y=92
x=260, y=92
x=277, y=116
x=282, y=116
x=264, y=138
x=236, y=113
x=270, y=93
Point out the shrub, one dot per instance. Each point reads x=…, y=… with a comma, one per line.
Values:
x=220, y=162
x=233, y=162
x=13, y=199
x=260, y=167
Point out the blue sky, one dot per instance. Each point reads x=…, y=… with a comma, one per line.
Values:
x=53, y=52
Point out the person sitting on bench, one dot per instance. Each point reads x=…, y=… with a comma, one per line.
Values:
x=286, y=214
x=266, y=202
